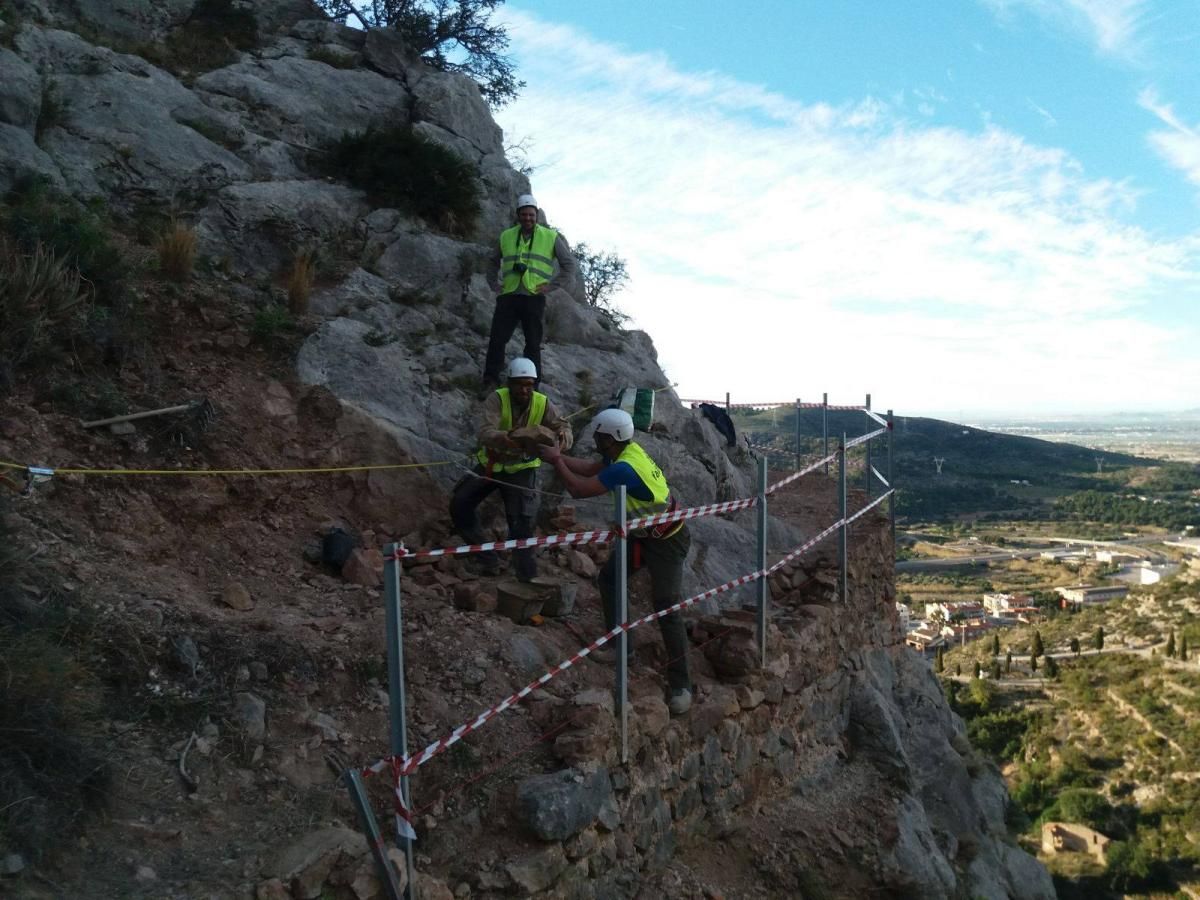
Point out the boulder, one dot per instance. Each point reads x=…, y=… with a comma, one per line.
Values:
x=305, y=864
x=236, y=596
x=20, y=91
x=128, y=131
x=455, y=104
x=559, y=806
x=21, y=158
x=364, y=567
x=258, y=225
x=302, y=101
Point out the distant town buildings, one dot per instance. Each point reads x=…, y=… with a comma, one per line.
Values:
x=953, y=611
x=1090, y=595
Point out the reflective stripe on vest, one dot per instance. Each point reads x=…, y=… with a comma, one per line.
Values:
x=651, y=475
x=536, y=254
x=537, y=409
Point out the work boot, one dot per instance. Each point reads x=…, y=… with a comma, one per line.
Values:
x=607, y=655
x=680, y=702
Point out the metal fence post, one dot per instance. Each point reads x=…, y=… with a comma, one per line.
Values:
x=762, y=560
x=825, y=428
x=387, y=873
x=843, y=533
x=867, y=430
x=727, y=407
x=891, y=483
x=397, y=702
x=797, y=434
x=622, y=601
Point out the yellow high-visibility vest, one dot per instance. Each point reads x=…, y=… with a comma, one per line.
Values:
x=535, y=254
x=651, y=475
x=537, y=409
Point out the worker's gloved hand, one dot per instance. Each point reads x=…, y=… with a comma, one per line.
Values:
x=550, y=452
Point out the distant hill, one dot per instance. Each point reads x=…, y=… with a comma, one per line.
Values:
x=982, y=471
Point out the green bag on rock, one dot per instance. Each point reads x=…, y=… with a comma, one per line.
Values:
x=639, y=403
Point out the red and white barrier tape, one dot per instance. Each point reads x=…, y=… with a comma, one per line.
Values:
x=801, y=473
x=878, y=418
x=694, y=512
x=575, y=537
x=411, y=763
x=863, y=438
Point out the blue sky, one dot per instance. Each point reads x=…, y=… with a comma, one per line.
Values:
x=977, y=206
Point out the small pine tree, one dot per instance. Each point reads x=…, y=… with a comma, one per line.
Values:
x=1038, y=647
x=995, y=645
x=978, y=668
x=958, y=670
x=1008, y=661
x=1051, y=667
x=1098, y=640
x=1183, y=649
x=939, y=660
x=1033, y=664
x=1171, y=643
x=995, y=670
x=1075, y=645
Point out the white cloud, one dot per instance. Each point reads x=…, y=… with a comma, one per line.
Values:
x=1114, y=26
x=846, y=247
x=1179, y=144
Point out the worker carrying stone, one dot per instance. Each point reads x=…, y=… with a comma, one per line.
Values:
x=661, y=549
x=507, y=461
x=525, y=258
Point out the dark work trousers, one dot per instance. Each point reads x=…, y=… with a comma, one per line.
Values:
x=520, y=507
x=526, y=310
x=664, y=558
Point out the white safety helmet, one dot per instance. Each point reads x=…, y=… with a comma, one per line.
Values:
x=616, y=423
x=522, y=368
x=526, y=200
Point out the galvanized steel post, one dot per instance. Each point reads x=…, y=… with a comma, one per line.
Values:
x=762, y=561
x=621, y=597
x=797, y=434
x=867, y=430
x=727, y=407
x=891, y=484
x=843, y=532
x=383, y=865
x=397, y=701
x=825, y=428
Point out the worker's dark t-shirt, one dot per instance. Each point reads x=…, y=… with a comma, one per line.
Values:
x=622, y=473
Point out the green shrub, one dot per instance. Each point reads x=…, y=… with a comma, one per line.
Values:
x=42, y=303
x=272, y=327
x=210, y=38
x=397, y=167
x=34, y=213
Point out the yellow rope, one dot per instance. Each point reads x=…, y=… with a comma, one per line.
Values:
x=328, y=469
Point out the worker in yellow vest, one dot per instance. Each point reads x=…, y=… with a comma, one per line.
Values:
x=501, y=464
x=525, y=257
x=661, y=549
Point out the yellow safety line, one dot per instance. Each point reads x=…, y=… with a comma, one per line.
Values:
x=57, y=471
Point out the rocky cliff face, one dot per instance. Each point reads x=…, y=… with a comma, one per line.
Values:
x=841, y=761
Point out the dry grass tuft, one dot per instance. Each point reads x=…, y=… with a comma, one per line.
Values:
x=299, y=281
x=177, y=251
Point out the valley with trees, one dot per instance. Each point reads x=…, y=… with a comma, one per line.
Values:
x=1092, y=713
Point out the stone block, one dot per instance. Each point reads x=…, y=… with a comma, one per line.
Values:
x=559, y=806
